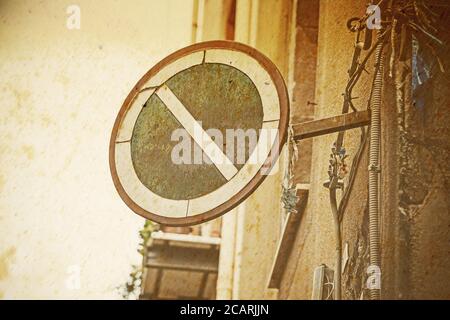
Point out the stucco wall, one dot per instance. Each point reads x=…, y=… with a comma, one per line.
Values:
x=60, y=90
x=315, y=243
x=414, y=176
x=258, y=218
x=416, y=205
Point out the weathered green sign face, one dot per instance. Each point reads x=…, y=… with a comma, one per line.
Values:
x=218, y=95
x=198, y=133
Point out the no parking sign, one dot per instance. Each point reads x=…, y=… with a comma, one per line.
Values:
x=197, y=134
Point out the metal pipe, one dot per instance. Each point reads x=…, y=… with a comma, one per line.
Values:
x=337, y=233
x=374, y=164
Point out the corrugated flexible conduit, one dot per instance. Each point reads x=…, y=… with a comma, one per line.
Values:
x=374, y=166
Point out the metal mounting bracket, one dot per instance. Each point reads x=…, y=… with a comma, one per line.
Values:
x=329, y=125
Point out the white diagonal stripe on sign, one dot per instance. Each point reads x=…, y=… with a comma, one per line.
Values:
x=214, y=153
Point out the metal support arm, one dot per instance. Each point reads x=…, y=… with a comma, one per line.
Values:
x=320, y=127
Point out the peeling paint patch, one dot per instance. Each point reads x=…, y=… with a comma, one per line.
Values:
x=62, y=79
x=2, y=182
x=29, y=151
x=5, y=259
x=355, y=275
x=47, y=121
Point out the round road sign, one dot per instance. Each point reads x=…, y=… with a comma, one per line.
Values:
x=198, y=133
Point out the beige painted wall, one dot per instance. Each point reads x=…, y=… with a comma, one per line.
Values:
x=259, y=217
x=60, y=90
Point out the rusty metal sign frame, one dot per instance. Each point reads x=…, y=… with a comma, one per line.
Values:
x=249, y=188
